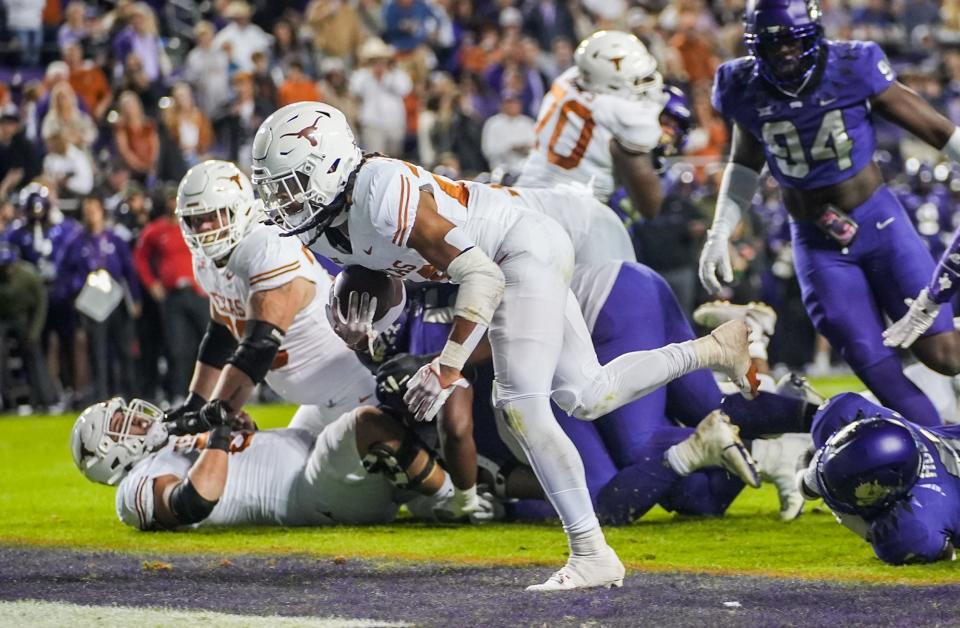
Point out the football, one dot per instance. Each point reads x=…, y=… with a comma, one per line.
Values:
x=388, y=290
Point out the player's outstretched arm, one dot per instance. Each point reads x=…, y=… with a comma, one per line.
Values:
x=190, y=500
x=907, y=109
x=481, y=283
x=638, y=175
x=739, y=184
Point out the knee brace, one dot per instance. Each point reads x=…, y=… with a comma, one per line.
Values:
x=381, y=458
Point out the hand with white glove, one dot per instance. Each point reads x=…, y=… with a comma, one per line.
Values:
x=426, y=391
x=715, y=257
x=356, y=328
x=914, y=323
x=467, y=504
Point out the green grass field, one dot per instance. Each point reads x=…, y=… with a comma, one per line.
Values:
x=44, y=501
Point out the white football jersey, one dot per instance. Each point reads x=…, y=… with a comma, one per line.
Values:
x=266, y=482
x=592, y=286
x=574, y=129
x=264, y=260
x=386, y=198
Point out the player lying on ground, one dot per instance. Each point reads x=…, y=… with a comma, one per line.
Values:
x=267, y=320
x=804, y=106
x=894, y=482
x=349, y=473
x=513, y=267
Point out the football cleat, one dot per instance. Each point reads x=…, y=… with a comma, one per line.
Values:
x=778, y=461
x=726, y=349
x=797, y=386
x=715, y=443
x=586, y=572
x=758, y=315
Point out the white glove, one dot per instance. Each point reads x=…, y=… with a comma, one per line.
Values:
x=714, y=257
x=425, y=396
x=914, y=323
x=478, y=508
x=356, y=329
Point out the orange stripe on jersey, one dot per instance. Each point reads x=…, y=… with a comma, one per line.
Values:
x=138, y=504
x=279, y=272
x=457, y=191
x=308, y=255
x=402, y=211
x=255, y=278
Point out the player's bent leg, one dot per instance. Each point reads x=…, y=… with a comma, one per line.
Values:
x=598, y=465
x=940, y=351
x=588, y=391
x=843, y=307
x=715, y=442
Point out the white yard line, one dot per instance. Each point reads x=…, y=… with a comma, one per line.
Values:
x=56, y=614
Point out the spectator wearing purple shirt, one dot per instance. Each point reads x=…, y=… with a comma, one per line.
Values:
x=140, y=38
x=110, y=342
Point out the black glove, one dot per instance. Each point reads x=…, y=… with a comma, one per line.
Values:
x=192, y=403
x=211, y=415
x=392, y=378
x=220, y=438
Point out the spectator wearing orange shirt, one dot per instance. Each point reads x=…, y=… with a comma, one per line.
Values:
x=88, y=81
x=297, y=87
x=187, y=125
x=697, y=56
x=137, y=140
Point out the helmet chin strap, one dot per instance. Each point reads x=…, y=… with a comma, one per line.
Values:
x=340, y=205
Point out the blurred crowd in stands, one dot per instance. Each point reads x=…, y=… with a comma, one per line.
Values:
x=108, y=103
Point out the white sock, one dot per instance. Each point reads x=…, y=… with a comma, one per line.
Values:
x=678, y=457
x=587, y=543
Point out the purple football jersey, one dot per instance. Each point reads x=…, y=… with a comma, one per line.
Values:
x=821, y=137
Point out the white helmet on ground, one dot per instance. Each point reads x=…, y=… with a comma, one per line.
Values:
x=617, y=63
x=216, y=208
x=303, y=157
x=109, y=438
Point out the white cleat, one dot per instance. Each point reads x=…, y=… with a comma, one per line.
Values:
x=716, y=443
x=756, y=314
x=778, y=460
x=796, y=386
x=726, y=349
x=586, y=572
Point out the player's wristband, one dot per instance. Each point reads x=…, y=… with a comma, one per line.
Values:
x=219, y=438
x=455, y=355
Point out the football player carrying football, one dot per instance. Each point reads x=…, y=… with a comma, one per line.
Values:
x=513, y=266
x=804, y=106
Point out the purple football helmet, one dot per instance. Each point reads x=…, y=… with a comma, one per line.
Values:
x=784, y=36
x=868, y=465
x=35, y=202
x=679, y=119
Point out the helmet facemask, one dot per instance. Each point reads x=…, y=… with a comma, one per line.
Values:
x=110, y=438
x=786, y=55
x=213, y=232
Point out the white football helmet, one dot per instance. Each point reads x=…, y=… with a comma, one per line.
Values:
x=303, y=156
x=617, y=63
x=109, y=438
x=216, y=208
